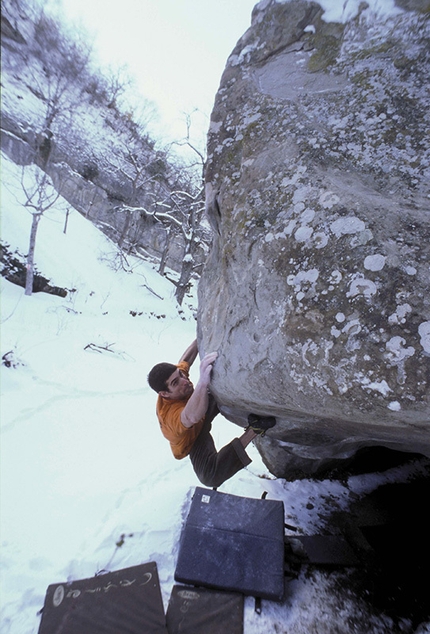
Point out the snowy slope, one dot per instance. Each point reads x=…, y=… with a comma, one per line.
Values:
x=83, y=461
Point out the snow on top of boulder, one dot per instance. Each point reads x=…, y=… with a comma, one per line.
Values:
x=336, y=11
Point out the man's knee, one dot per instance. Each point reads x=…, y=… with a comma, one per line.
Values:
x=212, y=480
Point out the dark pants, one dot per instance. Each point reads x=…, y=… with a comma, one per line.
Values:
x=214, y=467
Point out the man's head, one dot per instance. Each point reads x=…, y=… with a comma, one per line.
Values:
x=170, y=382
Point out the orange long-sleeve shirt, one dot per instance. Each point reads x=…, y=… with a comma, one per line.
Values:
x=181, y=438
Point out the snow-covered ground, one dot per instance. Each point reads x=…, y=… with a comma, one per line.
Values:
x=83, y=462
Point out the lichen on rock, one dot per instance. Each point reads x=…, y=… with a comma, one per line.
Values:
x=316, y=291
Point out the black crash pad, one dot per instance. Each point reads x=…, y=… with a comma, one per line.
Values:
x=233, y=543
x=127, y=601
x=326, y=550
x=203, y=611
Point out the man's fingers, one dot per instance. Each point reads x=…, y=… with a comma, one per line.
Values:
x=209, y=358
x=206, y=363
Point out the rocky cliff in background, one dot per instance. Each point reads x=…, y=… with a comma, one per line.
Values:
x=316, y=292
x=62, y=114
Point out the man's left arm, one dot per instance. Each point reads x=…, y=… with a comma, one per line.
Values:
x=190, y=353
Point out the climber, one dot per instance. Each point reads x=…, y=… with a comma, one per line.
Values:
x=185, y=414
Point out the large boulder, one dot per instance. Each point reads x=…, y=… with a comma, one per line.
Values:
x=316, y=291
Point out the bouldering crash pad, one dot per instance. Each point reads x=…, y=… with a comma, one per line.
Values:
x=127, y=601
x=233, y=543
x=204, y=611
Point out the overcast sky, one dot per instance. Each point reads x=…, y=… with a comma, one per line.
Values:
x=175, y=49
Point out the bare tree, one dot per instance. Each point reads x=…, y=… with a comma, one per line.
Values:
x=169, y=194
x=64, y=60
x=137, y=176
x=119, y=81
x=180, y=213
x=191, y=208
x=151, y=187
x=40, y=196
x=187, y=141
x=189, y=203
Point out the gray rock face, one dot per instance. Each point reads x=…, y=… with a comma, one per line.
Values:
x=316, y=292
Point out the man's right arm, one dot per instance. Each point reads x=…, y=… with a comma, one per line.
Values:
x=197, y=404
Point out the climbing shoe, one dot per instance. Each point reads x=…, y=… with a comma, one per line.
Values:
x=260, y=424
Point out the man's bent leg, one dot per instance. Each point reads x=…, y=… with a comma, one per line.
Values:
x=214, y=467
